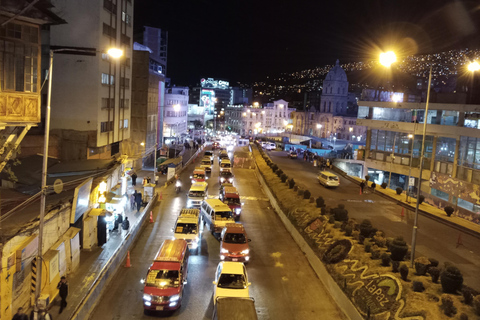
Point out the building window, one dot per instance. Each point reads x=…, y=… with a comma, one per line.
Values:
x=106, y=126
x=110, y=6
x=108, y=79
x=126, y=18
x=124, y=103
x=109, y=31
x=123, y=124
x=18, y=66
x=125, y=40
x=108, y=103
x=125, y=82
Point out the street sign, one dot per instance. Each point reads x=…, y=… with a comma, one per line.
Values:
x=58, y=186
x=411, y=181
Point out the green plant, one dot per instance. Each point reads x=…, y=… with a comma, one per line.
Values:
x=341, y=214
x=433, y=262
x=467, y=296
x=284, y=177
x=447, y=305
x=320, y=202
x=355, y=234
x=399, y=249
x=337, y=252
x=380, y=239
x=449, y=210
x=307, y=194
x=300, y=192
x=348, y=230
x=375, y=253
x=418, y=286
x=291, y=183
x=463, y=316
x=451, y=280
x=395, y=265
x=476, y=304
x=388, y=242
x=403, y=272
x=421, y=265
x=279, y=172
x=385, y=259
x=384, y=185
x=331, y=219
x=274, y=167
x=366, y=228
x=434, y=273
x=399, y=191
x=421, y=199
x=368, y=245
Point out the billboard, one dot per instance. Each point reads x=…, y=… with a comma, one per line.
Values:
x=207, y=100
x=81, y=200
x=215, y=84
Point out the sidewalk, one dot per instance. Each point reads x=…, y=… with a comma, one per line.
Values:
x=93, y=262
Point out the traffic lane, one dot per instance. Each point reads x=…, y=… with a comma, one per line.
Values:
x=283, y=283
x=434, y=239
x=123, y=299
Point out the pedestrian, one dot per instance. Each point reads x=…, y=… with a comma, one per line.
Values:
x=20, y=315
x=132, y=200
x=134, y=179
x=62, y=287
x=328, y=163
x=373, y=186
x=119, y=219
x=138, y=200
x=126, y=224
x=362, y=185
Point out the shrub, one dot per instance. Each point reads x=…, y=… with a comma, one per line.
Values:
x=463, y=316
x=451, y=280
x=476, y=304
x=337, y=252
x=467, y=296
x=337, y=224
x=361, y=239
x=291, y=183
x=284, y=177
x=399, y=249
x=447, y=305
x=433, y=262
x=279, y=172
x=395, y=265
x=300, y=192
x=384, y=185
x=375, y=253
x=312, y=199
x=356, y=234
x=274, y=167
x=434, y=273
x=320, y=202
x=403, y=272
x=421, y=199
x=388, y=242
x=348, y=230
x=421, y=265
x=385, y=259
x=379, y=238
x=306, y=194
x=399, y=191
x=366, y=228
x=418, y=286
x=449, y=210
x=368, y=245
x=331, y=219
x=367, y=177
x=340, y=213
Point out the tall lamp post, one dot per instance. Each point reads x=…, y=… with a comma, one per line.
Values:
x=114, y=53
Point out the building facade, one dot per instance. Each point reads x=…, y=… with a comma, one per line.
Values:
x=91, y=91
x=451, y=166
x=157, y=40
x=175, y=114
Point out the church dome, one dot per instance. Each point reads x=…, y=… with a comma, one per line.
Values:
x=336, y=73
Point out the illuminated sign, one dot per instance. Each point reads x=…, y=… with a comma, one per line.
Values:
x=207, y=100
x=215, y=84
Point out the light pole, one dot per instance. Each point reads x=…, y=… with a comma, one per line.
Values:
x=114, y=53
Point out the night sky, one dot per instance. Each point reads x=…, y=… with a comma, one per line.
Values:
x=248, y=40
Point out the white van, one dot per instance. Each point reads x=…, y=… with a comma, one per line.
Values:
x=270, y=146
x=196, y=194
x=187, y=227
x=328, y=179
x=216, y=215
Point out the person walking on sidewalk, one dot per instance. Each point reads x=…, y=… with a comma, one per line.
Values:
x=138, y=200
x=362, y=185
x=63, y=292
x=134, y=179
x=125, y=224
x=20, y=315
x=132, y=200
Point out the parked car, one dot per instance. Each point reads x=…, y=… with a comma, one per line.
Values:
x=293, y=155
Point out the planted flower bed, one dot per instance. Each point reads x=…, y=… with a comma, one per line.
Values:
x=372, y=268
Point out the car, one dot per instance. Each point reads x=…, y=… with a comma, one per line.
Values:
x=293, y=155
x=225, y=176
x=209, y=154
x=231, y=280
x=270, y=146
x=328, y=179
x=215, y=145
x=234, y=243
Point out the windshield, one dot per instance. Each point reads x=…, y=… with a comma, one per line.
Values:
x=186, y=228
x=207, y=162
x=333, y=178
x=232, y=281
x=196, y=194
x=226, y=174
x=231, y=201
x=225, y=165
x=162, y=279
x=198, y=176
x=234, y=238
x=223, y=215
x=208, y=153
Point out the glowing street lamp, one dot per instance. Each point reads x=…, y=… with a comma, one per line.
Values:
x=319, y=126
x=474, y=66
x=255, y=104
x=115, y=53
x=387, y=58
x=176, y=107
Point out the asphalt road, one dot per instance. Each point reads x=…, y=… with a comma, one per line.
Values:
x=283, y=284
x=434, y=239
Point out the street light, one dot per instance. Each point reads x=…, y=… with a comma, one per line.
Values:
x=474, y=66
x=114, y=53
x=387, y=58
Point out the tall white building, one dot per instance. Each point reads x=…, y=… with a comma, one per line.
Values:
x=175, y=115
x=91, y=91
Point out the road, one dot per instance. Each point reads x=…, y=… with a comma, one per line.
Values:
x=283, y=284
x=434, y=239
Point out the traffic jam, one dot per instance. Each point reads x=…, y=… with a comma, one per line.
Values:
x=167, y=276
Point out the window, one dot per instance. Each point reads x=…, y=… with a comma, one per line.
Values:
x=110, y=6
x=126, y=18
x=125, y=40
x=123, y=124
x=18, y=66
x=124, y=103
x=125, y=82
x=108, y=79
x=108, y=103
x=109, y=31
x=106, y=126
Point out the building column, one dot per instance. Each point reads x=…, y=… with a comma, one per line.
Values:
x=461, y=119
x=368, y=143
x=434, y=150
x=455, y=159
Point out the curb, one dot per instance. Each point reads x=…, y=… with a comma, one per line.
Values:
x=342, y=301
x=427, y=214
x=90, y=300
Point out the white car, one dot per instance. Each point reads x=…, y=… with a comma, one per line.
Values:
x=270, y=146
x=231, y=280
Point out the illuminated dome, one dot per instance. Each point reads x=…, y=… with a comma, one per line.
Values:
x=336, y=73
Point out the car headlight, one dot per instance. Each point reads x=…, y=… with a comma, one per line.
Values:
x=238, y=210
x=147, y=297
x=175, y=297
x=222, y=179
x=230, y=179
x=222, y=250
x=193, y=181
x=189, y=202
x=246, y=251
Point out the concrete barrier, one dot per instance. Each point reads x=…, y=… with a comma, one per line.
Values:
x=333, y=289
x=82, y=312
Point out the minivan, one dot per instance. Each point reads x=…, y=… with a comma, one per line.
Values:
x=328, y=179
x=216, y=215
